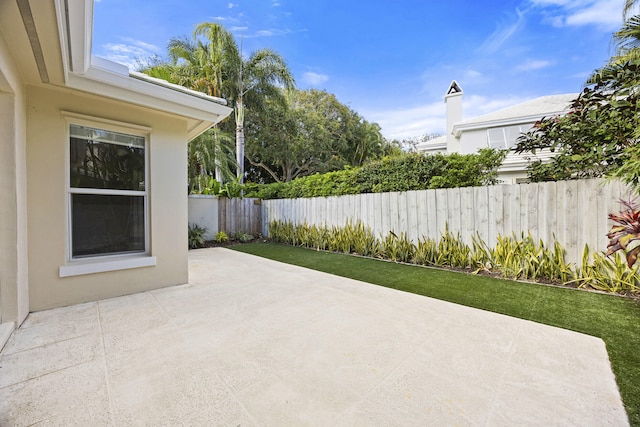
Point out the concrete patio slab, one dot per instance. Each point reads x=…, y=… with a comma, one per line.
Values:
x=251, y=341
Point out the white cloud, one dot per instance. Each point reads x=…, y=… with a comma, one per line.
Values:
x=503, y=32
x=472, y=74
x=533, y=65
x=410, y=122
x=264, y=33
x=232, y=5
x=130, y=53
x=604, y=14
x=314, y=79
x=270, y=32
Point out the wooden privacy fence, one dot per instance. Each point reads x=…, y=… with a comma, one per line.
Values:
x=228, y=215
x=240, y=215
x=575, y=212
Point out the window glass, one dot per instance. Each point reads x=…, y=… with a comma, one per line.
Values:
x=103, y=159
x=107, y=224
x=496, y=138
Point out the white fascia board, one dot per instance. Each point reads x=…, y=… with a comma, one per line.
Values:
x=426, y=147
x=458, y=128
x=113, y=85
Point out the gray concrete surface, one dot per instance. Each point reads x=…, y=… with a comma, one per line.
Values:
x=254, y=342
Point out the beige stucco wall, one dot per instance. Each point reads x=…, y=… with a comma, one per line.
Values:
x=14, y=289
x=203, y=211
x=47, y=146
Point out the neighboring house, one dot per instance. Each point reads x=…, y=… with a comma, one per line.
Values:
x=499, y=129
x=93, y=165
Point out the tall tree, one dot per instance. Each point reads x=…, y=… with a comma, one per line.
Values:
x=250, y=81
x=312, y=132
x=212, y=62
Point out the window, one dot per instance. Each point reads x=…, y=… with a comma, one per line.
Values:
x=505, y=137
x=107, y=193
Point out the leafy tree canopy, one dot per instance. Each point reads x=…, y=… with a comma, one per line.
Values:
x=310, y=132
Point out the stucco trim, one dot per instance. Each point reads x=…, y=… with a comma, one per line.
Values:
x=78, y=269
x=116, y=125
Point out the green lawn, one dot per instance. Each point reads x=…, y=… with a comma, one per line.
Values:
x=614, y=319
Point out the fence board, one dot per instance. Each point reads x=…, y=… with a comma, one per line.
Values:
x=495, y=212
x=422, y=213
x=466, y=213
x=412, y=216
x=481, y=214
x=432, y=212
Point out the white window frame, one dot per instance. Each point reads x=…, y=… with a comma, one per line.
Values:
x=110, y=262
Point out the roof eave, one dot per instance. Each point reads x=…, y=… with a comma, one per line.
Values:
x=458, y=128
x=112, y=80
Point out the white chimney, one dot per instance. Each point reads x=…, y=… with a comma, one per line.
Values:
x=453, y=102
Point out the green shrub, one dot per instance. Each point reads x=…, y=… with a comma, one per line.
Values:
x=196, y=236
x=409, y=171
x=242, y=237
x=221, y=237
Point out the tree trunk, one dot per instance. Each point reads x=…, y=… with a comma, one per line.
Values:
x=240, y=151
x=240, y=137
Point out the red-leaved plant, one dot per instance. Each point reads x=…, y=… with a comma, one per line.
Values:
x=626, y=229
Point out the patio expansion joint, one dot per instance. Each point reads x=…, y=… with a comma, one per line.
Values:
x=45, y=374
x=106, y=368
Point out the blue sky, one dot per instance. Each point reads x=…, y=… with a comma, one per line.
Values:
x=391, y=61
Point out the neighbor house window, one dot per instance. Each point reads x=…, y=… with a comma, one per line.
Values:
x=506, y=137
x=107, y=192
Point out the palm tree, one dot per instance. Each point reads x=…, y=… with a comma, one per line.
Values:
x=211, y=154
x=627, y=44
x=262, y=75
x=211, y=62
x=628, y=6
x=628, y=40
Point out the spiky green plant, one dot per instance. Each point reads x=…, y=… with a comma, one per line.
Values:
x=196, y=236
x=390, y=247
x=426, y=251
x=606, y=273
x=365, y=242
x=406, y=249
x=221, y=237
x=452, y=251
